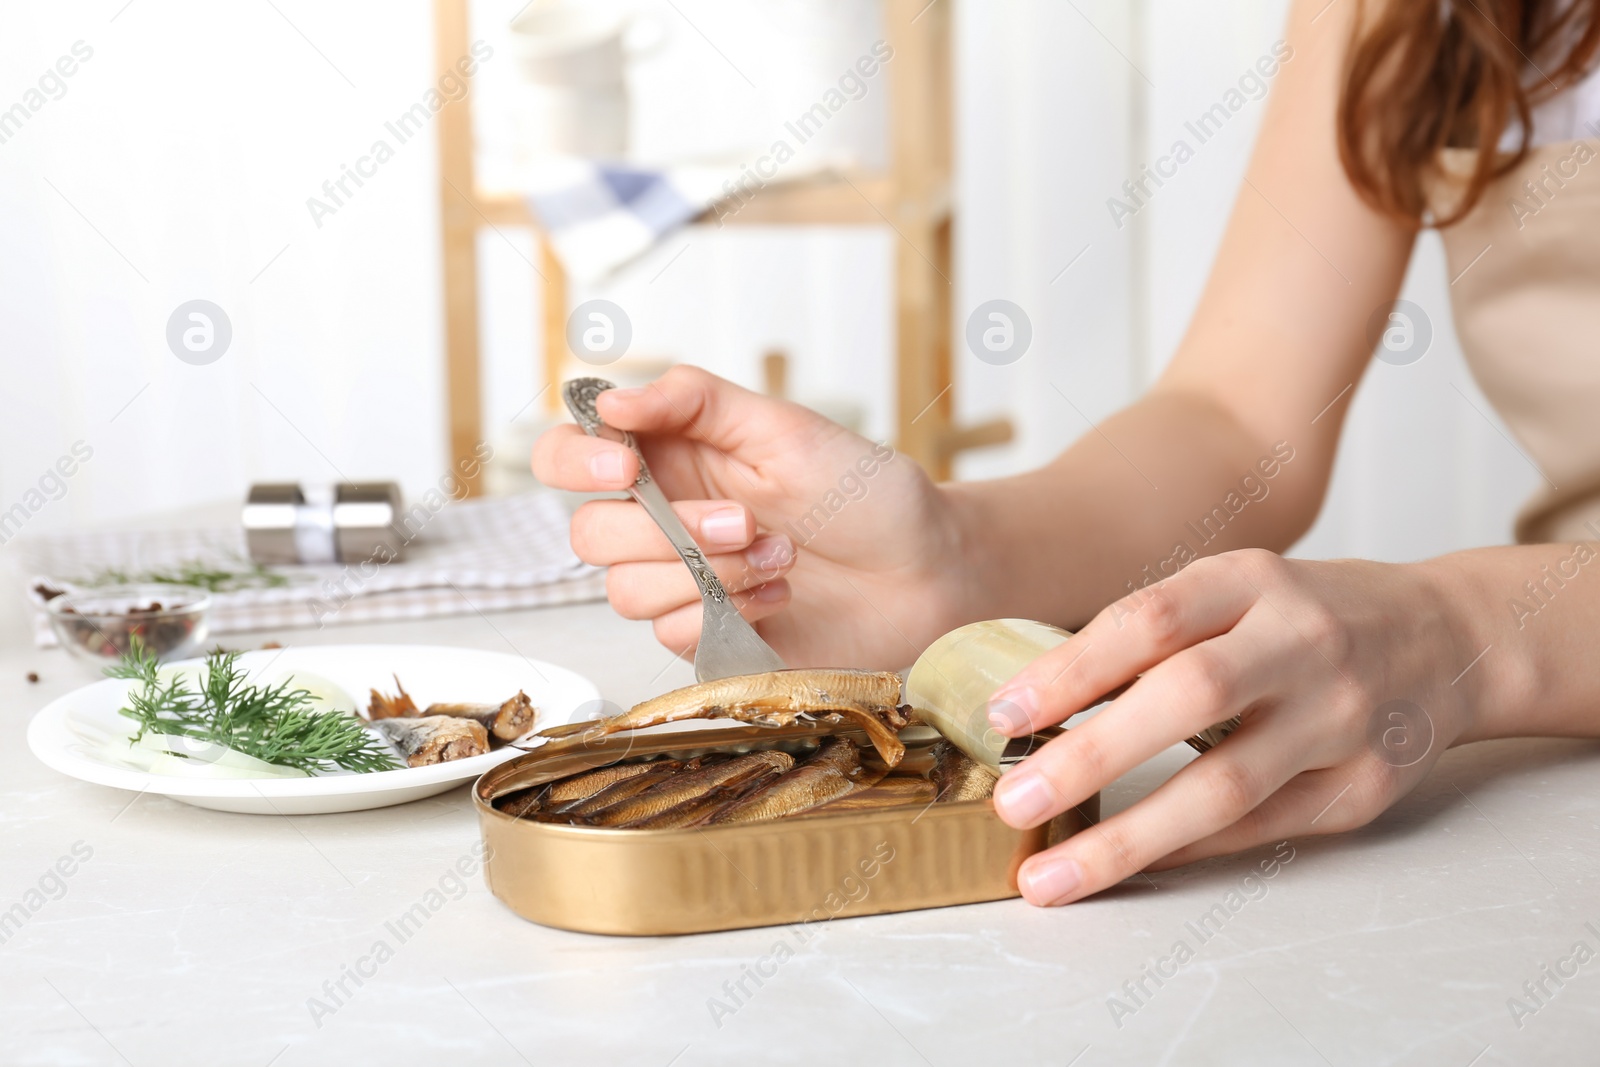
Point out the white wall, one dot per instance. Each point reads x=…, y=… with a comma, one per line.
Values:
x=1045, y=129
x=183, y=153
x=178, y=163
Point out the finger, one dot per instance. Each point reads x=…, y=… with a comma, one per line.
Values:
x=1196, y=688
x=1132, y=635
x=565, y=457
x=1327, y=801
x=605, y=532
x=1210, y=793
x=696, y=404
x=679, y=629
x=647, y=590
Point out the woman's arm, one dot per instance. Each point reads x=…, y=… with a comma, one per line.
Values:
x=845, y=554
x=1275, y=347
x=1349, y=678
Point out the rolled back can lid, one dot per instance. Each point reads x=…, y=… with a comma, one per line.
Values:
x=952, y=681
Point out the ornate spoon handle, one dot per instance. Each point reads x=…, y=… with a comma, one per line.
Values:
x=728, y=644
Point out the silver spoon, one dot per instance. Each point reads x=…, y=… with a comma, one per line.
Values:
x=728, y=644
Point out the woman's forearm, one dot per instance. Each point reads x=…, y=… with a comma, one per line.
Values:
x=1170, y=479
x=1173, y=478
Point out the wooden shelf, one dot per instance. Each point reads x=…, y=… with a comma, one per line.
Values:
x=913, y=198
x=860, y=200
x=821, y=201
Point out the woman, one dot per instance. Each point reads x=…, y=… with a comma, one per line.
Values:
x=1371, y=133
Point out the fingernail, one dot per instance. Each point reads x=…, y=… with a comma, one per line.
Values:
x=724, y=527
x=770, y=555
x=1047, y=879
x=631, y=393
x=607, y=465
x=1023, y=798
x=1012, y=710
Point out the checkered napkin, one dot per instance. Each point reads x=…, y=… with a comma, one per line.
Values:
x=600, y=216
x=468, y=557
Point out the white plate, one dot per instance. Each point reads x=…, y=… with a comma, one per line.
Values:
x=430, y=674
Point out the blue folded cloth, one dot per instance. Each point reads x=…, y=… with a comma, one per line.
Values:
x=600, y=216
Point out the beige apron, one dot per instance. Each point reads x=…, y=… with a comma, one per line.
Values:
x=1525, y=270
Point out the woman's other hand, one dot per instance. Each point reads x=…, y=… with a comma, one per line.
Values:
x=1341, y=671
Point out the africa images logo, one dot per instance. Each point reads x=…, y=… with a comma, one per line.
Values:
x=199, y=332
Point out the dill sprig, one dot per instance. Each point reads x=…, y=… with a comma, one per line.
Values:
x=275, y=724
x=215, y=577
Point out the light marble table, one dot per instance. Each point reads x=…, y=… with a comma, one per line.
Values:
x=197, y=937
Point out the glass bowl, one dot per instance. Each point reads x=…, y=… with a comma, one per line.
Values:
x=98, y=626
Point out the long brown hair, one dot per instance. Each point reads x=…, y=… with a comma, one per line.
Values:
x=1425, y=75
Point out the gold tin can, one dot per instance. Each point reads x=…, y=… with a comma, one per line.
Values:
x=794, y=870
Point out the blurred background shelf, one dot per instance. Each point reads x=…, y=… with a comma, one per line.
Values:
x=913, y=199
x=337, y=362
x=842, y=200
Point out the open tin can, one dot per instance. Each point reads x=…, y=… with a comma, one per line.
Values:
x=797, y=869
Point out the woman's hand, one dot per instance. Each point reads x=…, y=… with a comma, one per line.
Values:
x=845, y=552
x=1341, y=671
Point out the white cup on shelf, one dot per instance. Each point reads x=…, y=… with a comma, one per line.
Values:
x=574, y=56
